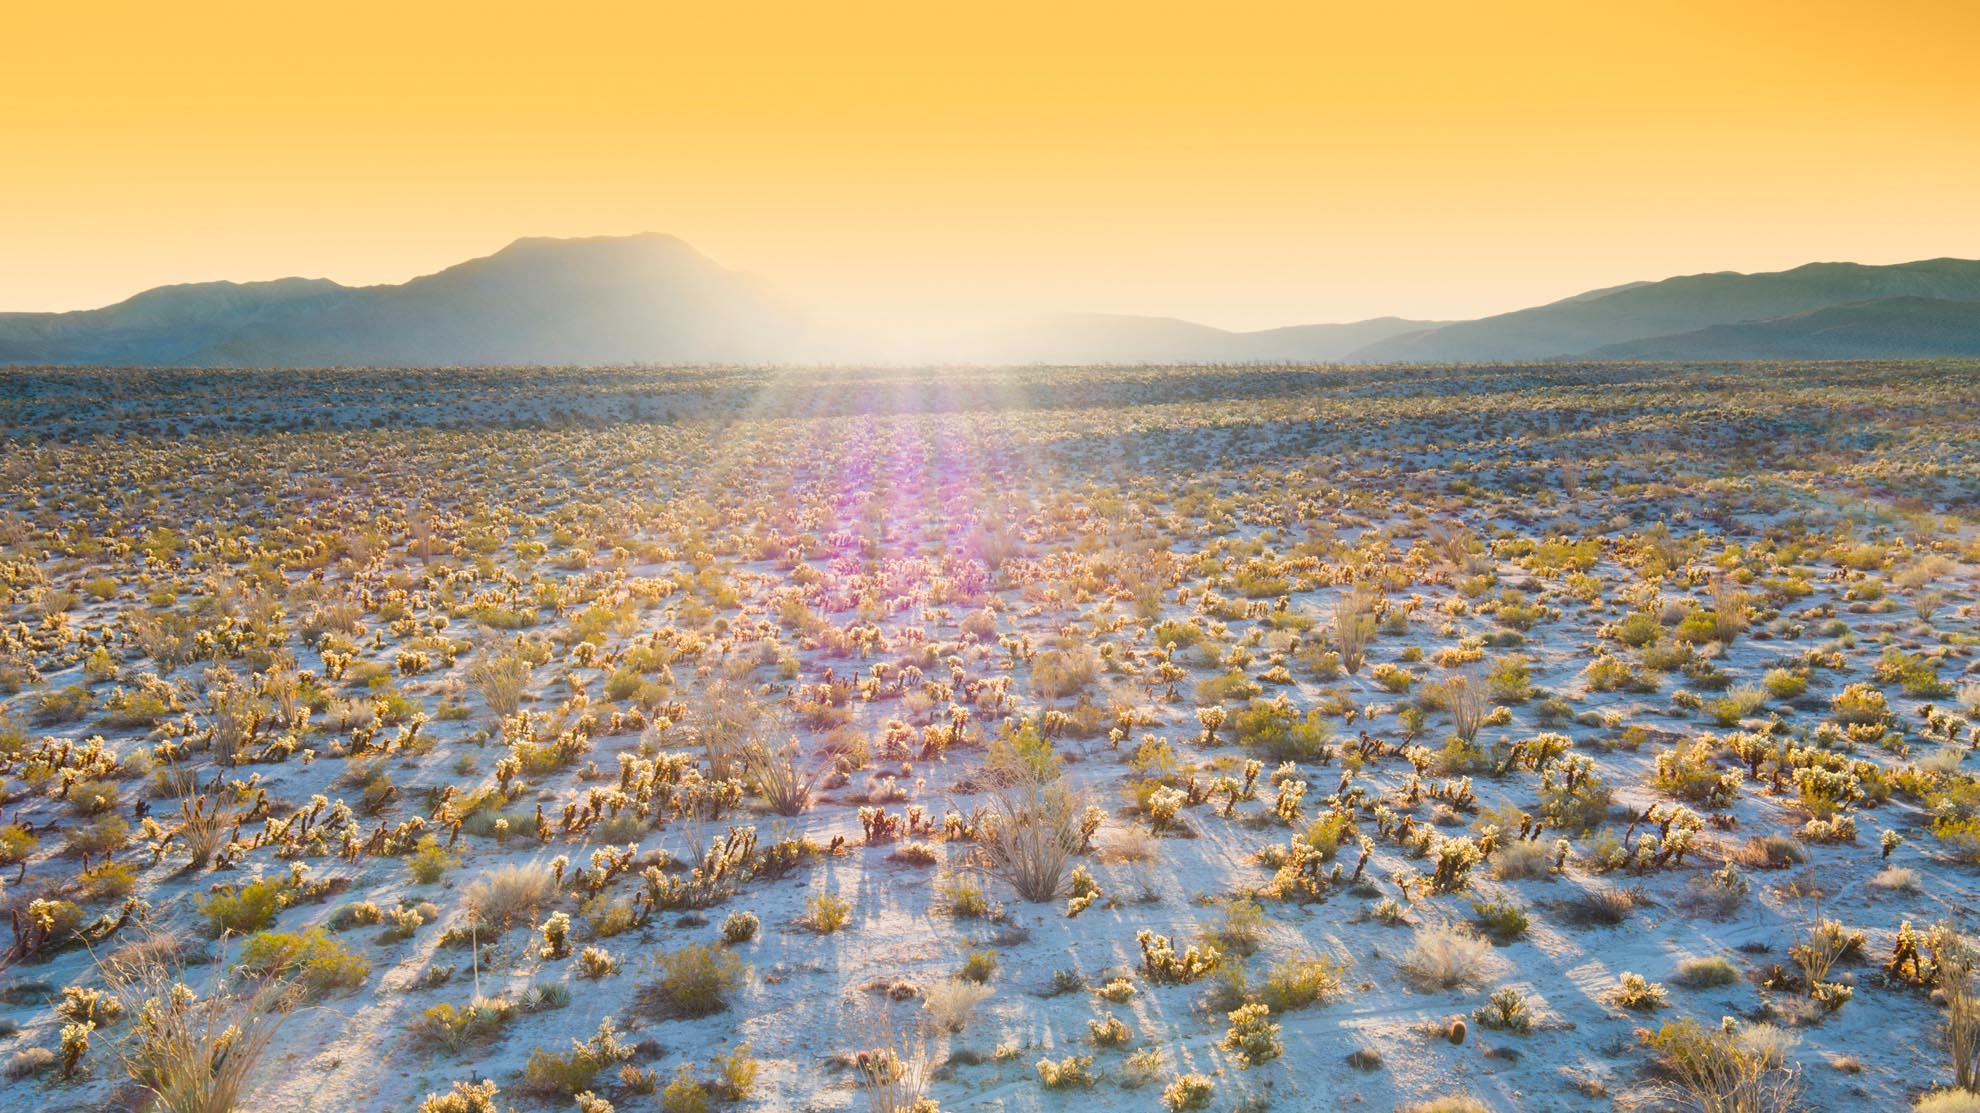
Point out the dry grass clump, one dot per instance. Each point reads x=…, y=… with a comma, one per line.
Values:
x=1716, y=1071
x=1446, y=958
x=509, y=895
x=1454, y=1103
x=1705, y=973
x=952, y=1003
x=192, y=1052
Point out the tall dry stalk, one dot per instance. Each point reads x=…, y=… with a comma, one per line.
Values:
x=203, y=826
x=193, y=1053
x=781, y=778
x=1354, y=627
x=502, y=681
x=1714, y=1073
x=1031, y=834
x=1962, y=1012
x=893, y=1068
x=1468, y=707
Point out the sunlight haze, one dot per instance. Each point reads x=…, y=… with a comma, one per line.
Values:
x=1243, y=165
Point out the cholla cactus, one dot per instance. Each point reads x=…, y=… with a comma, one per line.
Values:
x=1163, y=804
x=1082, y=892
x=556, y=936
x=596, y=962
x=1455, y=857
x=1211, y=718
x=1253, y=1035
x=75, y=1045
x=1291, y=792
x=1164, y=965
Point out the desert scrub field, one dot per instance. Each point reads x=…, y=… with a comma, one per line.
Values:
x=1553, y=738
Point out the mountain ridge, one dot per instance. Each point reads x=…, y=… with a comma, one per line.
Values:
x=653, y=298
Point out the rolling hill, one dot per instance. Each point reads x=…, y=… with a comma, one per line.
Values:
x=653, y=299
x=1116, y=338
x=1886, y=328
x=1601, y=320
x=631, y=299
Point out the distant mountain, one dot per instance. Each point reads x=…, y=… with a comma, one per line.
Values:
x=1113, y=338
x=1598, y=320
x=1886, y=328
x=632, y=299
x=654, y=299
x=168, y=325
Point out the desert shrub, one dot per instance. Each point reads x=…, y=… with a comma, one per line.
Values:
x=1502, y=920
x=1446, y=958
x=1522, y=860
x=1064, y=671
x=1784, y=685
x=962, y=896
x=694, y=981
x=16, y=844
x=249, y=907
x=1704, y=973
x=1601, y=907
x=1720, y=1073
x=1740, y=703
x=1948, y=1101
x=1299, y=981
x=951, y=1003
x=102, y=835
x=453, y=1029
x=1275, y=730
x=826, y=913
x=1860, y=705
x=1240, y=928
x=357, y=914
x=551, y=1074
x=510, y=894
x=193, y=1052
x=780, y=778
x=430, y=861
x=502, y=682
x=1772, y=852
x=1031, y=834
x=978, y=966
x=311, y=959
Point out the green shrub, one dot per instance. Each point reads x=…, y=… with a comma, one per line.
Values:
x=430, y=862
x=312, y=959
x=694, y=981
x=250, y=907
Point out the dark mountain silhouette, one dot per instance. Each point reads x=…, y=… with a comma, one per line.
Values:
x=1581, y=324
x=1886, y=328
x=654, y=299
x=629, y=299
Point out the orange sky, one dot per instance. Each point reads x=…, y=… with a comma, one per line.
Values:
x=1241, y=164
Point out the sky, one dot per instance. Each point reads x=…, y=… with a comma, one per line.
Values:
x=1246, y=165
